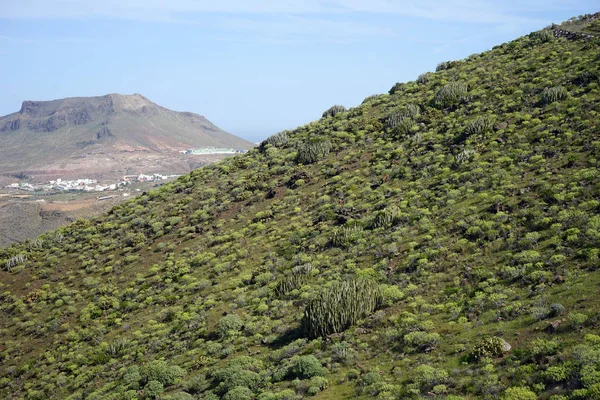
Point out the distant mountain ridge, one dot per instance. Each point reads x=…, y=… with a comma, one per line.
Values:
x=49, y=135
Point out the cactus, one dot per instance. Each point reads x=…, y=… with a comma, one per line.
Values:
x=300, y=276
x=304, y=269
x=464, y=156
x=445, y=65
x=450, y=94
x=346, y=235
x=35, y=244
x=371, y=98
x=289, y=283
x=311, y=151
x=384, y=218
x=278, y=140
x=340, y=306
x=586, y=77
x=412, y=110
x=542, y=36
x=14, y=261
x=550, y=95
x=333, y=111
x=424, y=78
x=479, y=126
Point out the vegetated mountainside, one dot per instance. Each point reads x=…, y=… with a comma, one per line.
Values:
x=113, y=133
x=439, y=241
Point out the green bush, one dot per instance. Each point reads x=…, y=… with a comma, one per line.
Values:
x=489, y=347
x=426, y=377
x=239, y=393
x=179, y=396
x=306, y=367
x=519, y=393
x=340, y=306
x=421, y=341
x=555, y=310
x=153, y=389
x=346, y=235
x=160, y=371
x=229, y=325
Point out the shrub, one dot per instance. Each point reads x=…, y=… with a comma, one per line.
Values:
x=229, y=325
x=312, y=151
x=370, y=378
x=555, y=310
x=576, y=320
x=153, y=389
x=239, y=372
x=557, y=373
x=426, y=377
x=340, y=306
x=306, y=367
x=333, y=111
x=239, y=393
x=519, y=393
x=490, y=347
x=450, y=94
x=421, y=341
x=160, y=371
x=179, y=396
x=550, y=95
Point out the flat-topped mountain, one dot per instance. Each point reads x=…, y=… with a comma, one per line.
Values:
x=94, y=134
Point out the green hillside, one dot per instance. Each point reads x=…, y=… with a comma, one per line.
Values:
x=440, y=241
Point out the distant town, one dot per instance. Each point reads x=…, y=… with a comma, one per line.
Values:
x=212, y=150
x=87, y=185
x=92, y=185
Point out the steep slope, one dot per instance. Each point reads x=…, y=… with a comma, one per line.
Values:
x=99, y=134
x=438, y=241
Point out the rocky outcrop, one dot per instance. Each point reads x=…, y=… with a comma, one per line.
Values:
x=563, y=31
x=103, y=133
x=13, y=125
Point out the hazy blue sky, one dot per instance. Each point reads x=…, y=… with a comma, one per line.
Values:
x=253, y=67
